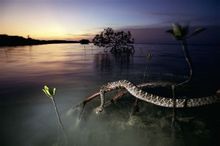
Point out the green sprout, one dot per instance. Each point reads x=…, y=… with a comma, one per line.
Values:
x=47, y=91
x=51, y=93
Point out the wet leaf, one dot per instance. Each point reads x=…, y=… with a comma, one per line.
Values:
x=46, y=90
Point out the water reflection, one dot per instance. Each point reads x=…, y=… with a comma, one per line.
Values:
x=103, y=62
x=106, y=62
x=124, y=60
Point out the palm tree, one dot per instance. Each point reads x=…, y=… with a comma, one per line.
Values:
x=181, y=34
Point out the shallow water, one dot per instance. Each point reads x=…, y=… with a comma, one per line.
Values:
x=27, y=116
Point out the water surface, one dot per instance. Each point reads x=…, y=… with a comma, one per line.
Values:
x=27, y=116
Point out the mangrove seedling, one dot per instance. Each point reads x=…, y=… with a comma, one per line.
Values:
x=146, y=73
x=181, y=34
x=51, y=94
x=148, y=59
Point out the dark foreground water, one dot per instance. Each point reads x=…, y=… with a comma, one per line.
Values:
x=28, y=118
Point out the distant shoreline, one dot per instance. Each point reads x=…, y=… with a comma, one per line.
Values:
x=38, y=43
x=6, y=40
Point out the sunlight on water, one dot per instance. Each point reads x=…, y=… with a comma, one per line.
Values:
x=77, y=71
x=35, y=60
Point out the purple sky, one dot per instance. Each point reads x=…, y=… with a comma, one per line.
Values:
x=75, y=19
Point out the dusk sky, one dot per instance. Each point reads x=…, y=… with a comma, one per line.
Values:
x=75, y=19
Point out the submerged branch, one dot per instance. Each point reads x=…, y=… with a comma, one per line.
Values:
x=119, y=94
x=147, y=97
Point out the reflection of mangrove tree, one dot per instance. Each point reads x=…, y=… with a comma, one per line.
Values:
x=102, y=61
x=105, y=61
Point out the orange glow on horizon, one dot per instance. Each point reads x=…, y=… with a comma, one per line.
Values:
x=51, y=37
x=42, y=22
x=48, y=32
x=55, y=33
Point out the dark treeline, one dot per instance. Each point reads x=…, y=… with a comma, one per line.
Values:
x=6, y=40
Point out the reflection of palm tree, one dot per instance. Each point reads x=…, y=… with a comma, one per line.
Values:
x=181, y=33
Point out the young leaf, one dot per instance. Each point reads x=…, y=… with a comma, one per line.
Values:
x=177, y=30
x=44, y=91
x=48, y=93
x=46, y=87
x=197, y=31
x=54, y=91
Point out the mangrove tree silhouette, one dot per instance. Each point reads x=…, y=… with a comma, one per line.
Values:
x=119, y=42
